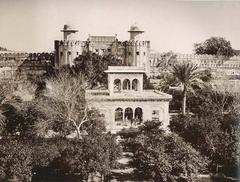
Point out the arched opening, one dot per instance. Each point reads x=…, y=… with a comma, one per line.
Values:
x=128, y=116
x=126, y=84
x=138, y=115
x=117, y=85
x=118, y=115
x=135, y=85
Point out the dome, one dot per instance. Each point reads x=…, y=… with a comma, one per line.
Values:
x=135, y=28
x=67, y=27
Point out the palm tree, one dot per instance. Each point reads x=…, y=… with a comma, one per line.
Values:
x=187, y=75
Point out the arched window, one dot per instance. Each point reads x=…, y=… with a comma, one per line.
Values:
x=118, y=115
x=117, y=85
x=138, y=115
x=126, y=84
x=135, y=85
x=128, y=116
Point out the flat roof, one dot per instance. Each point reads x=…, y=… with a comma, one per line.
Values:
x=125, y=69
x=146, y=95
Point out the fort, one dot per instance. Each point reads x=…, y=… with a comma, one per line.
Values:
x=132, y=52
x=18, y=66
x=219, y=66
x=125, y=103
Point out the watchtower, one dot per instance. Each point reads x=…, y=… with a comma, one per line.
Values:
x=137, y=50
x=69, y=48
x=68, y=32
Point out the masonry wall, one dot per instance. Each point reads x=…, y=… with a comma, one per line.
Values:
x=108, y=109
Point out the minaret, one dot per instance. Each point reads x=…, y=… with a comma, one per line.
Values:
x=68, y=33
x=135, y=33
x=67, y=49
x=137, y=50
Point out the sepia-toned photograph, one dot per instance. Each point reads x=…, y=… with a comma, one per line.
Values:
x=119, y=90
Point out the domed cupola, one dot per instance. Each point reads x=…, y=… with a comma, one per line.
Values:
x=135, y=32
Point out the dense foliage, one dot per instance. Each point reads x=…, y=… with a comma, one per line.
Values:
x=41, y=158
x=185, y=76
x=35, y=134
x=161, y=156
x=166, y=60
x=92, y=66
x=218, y=46
x=215, y=136
x=15, y=160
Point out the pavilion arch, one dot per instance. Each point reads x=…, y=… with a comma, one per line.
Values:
x=126, y=84
x=135, y=84
x=118, y=114
x=138, y=114
x=117, y=85
x=128, y=114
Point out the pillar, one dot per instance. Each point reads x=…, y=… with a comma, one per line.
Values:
x=121, y=84
x=133, y=112
x=130, y=84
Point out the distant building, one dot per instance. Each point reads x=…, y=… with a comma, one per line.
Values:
x=126, y=104
x=69, y=48
x=18, y=66
x=9, y=63
x=133, y=52
x=103, y=45
x=219, y=66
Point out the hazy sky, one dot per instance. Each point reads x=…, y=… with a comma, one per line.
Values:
x=33, y=25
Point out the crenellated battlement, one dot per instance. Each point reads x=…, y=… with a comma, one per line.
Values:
x=40, y=56
x=133, y=42
x=197, y=57
x=230, y=66
x=205, y=57
x=70, y=43
x=5, y=54
x=26, y=59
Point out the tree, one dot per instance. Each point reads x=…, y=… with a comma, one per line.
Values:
x=10, y=104
x=90, y=157
x=165, y=157
x=63, y=107
x=14, y=102
x=166, y=60
x=218, y=46
x=215, y=136
x=92, y=66
x=188, y=76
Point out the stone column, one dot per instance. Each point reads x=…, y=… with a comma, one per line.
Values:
x=110, y=84
x=122, y=84
x=123, y=113
x=133, y=113
x=130, y=84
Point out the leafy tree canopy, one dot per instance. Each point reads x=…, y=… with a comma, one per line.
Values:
x=92, y=66
x=218, y=46
x=162, y=157
x=215, y=136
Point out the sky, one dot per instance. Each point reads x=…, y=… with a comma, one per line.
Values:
x=33, y=25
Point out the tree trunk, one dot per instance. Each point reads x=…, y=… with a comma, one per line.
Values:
x=78, y=133
x=184, y=100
